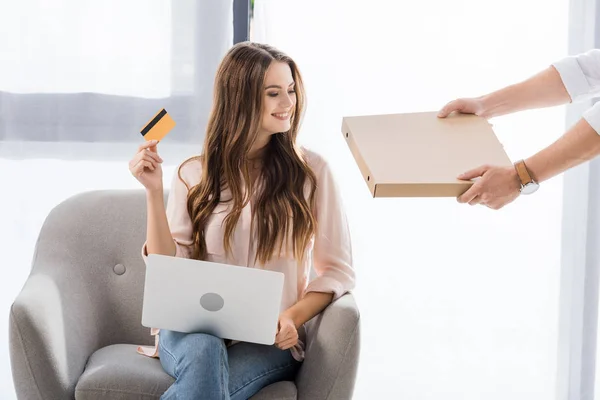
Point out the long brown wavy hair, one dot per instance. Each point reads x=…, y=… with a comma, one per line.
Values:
x=284, y=208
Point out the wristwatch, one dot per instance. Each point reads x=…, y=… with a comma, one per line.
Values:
x=528, y=185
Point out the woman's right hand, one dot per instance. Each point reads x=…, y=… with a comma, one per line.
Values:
x=146, y=166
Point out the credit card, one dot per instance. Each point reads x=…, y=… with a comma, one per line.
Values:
x=158, y=127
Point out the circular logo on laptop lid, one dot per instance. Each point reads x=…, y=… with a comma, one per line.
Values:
x=212, y=302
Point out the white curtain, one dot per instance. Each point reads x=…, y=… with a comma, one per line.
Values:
x=456, y=302
x=78, y=81
x=98, y=71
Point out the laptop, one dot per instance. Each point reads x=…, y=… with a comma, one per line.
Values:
x=227, y=301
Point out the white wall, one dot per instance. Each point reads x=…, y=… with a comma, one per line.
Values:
x=457, y=302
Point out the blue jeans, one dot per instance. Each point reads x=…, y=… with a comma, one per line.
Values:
x=204, y=368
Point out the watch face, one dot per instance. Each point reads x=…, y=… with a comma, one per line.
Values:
x=530, y=188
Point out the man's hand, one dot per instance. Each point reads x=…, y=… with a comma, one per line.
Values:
x=495, y=188
x=463, y=106
x=287, y=334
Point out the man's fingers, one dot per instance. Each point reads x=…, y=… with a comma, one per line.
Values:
x=475, y=200
x=496, y=205
x=469, y=195
x=454, y=105
x=474, y=173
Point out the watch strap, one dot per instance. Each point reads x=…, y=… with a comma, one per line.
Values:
x=523, y=172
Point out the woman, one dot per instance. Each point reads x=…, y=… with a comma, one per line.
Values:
x=252, y=198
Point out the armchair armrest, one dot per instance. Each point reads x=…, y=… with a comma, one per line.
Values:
x=331, y=353
x=52, y=332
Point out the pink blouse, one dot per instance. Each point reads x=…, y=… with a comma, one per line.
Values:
x=329, y=252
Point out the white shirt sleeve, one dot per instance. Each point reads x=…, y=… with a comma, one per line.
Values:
x=592, y=116
x=581, y=76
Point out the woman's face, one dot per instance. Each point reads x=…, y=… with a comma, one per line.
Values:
x=279, y=100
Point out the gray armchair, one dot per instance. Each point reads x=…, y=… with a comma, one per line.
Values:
x=75, y=325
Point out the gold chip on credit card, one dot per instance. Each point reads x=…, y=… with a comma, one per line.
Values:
x=158, y=127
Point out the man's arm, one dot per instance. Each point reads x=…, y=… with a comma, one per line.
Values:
x=570, y=79
x=545, y=89
x=579, y=144
x=499, y=186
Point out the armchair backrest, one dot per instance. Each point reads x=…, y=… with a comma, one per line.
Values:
x=90, y=245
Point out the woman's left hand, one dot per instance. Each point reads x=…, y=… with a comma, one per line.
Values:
x=287, y=334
